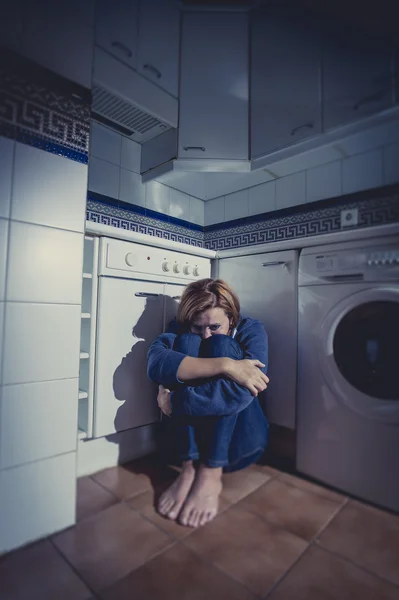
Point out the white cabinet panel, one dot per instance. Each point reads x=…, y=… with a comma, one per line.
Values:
x=213, y=120
x=179, y=205
x=236, y=205
x=131, y=188
x=275, y=304
x=6, y=163
x=45, y=265
x=291, y=190
x=197, y=209
x=117, y=29
x=214, y=211
x=130, y=155
x=1, y=337
x=285, y=79
x=48, y=189
x=391, y=164
x=158, y=50
x=4, y=227
x=262, y=198
x=324, y=181
x=157, y=197
x=357, y=78
x=362, y=172
x=38, y=420
x=124, y=397
x=105, y=143
x=103, y=177
x=11, y=25
x=41, y=342
x=36, y=500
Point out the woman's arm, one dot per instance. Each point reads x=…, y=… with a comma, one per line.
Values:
x=223, y=395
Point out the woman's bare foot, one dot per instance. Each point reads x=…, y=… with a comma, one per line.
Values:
x=202, y=503
x=172, y=500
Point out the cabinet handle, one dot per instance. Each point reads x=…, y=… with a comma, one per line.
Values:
x=367, y=99
x=156, y=71
x=146, y=295
x=274, y=263
x=306, y=125
x=122, y=47
x=176, y=297
x=186, y=148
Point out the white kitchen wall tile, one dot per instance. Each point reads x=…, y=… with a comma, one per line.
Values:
x=105, y=143
x=6, y=164
x=1, y=343
x=157, y=197
x=4, y=228
x=131, y=155
x=262, y=198
x=391, y=164
x=41, y=342
x=291, y=190
x=37, y=500
x=324, y=182
x=236, y=205
x=304, y=160
x=214, y=211
x=197, y=210
x=375, y=137
x=48, y=189
x=44, y=265
x=362, y=172
x=179, y=205
x=38, y=420
x=131, y=188
x=103, y=177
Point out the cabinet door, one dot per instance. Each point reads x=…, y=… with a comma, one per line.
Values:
x=158, y=50
x=214, y=86
x=116, y=29
x=285, y=80
x=357, y=79
x=267, y=287
x=130, y=316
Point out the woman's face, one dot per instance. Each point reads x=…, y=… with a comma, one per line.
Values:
x=213, y=321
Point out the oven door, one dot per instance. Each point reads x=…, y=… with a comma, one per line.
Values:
x=359, y=354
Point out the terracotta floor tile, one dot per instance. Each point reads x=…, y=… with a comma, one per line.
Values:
x=91, y=498
x=246, y=547
x=300, y=511
x=313, y=487
x=177, y=574
x=367, y=536
x=320, y=575
x=239, y=484
x=107, y=546
x=38, y=572
x=134, y=478
x=145, y=504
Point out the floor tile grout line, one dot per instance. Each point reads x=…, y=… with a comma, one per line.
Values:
x=355, y=564
x=284, y=575
x=320, y=495
x=335, y=514
x=72, y=567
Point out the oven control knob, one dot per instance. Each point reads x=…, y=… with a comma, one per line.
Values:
x=187, y=269
x=166, y=266
x=129, y=259
x=196, y=271
x=176, y=268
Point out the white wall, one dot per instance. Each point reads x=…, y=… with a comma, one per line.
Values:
x=367, y=160
x=114, y=170
x=42, y=218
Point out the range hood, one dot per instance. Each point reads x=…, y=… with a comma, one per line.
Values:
x=127, y=102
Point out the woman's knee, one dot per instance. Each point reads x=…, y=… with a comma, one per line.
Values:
x=218, y=346
x=188, y=343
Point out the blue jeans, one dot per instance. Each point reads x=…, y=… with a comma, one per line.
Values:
x=232, y=442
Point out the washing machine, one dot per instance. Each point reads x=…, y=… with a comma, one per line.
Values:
x=348, y=368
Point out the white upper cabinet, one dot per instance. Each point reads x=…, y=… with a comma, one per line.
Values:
x=117, y=29
x=213, y=120
x=357, y=74
x=158, y=47
x=285, y=79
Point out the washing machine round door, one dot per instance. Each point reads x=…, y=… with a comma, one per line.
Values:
x=360, y=353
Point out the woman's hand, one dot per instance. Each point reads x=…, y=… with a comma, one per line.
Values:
x=163, y=400
x=247, y=373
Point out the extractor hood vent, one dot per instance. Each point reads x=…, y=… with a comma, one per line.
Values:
x=125, y=116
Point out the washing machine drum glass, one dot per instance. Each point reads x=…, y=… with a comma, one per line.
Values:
x=366, y=349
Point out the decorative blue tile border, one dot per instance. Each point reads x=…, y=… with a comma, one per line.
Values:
x=376, y=207
x=42, y=109
x=143, y=221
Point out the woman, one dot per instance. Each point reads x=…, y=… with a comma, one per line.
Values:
x=210, y=368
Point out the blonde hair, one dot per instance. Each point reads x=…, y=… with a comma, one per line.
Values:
x=201, y=295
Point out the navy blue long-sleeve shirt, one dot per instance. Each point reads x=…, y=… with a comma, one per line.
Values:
x=213, y=396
